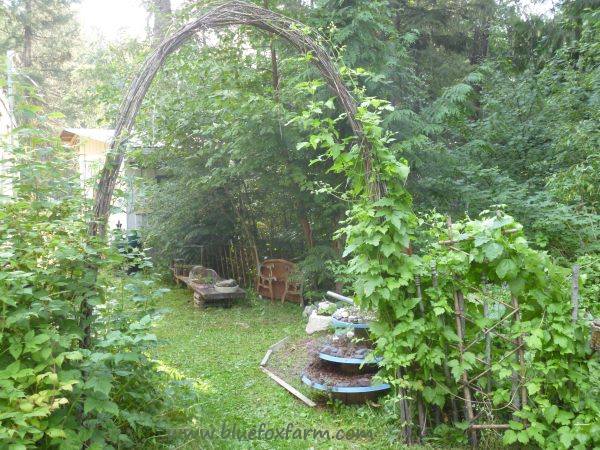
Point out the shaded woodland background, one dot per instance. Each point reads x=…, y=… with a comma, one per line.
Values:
x=493, y=106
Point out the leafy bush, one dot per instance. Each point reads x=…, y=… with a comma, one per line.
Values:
x=590, y=291
x=317, y=271
x=420, y=350
x=55, y=393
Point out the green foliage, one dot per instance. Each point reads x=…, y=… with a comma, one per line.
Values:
x=557, y=352
x=56, y=394
x=44, y=280
x=318, y=271
x=230, y=154
x=378, y=240
x=525, y=138
x=489, y=108
x=44, y=34
x=590, y=275
x=377, y=227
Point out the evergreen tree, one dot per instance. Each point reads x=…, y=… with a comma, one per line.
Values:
x=44, y=34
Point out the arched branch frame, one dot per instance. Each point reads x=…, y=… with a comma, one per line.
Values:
x=221, y=15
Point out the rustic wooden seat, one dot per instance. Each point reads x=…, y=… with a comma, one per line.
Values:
x=201, y=280
x=275, y=280
x=207, y=295
x=294, y=283
x=180, y=271
x=266, y=279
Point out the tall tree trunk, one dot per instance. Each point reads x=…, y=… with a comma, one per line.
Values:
x=306, y=229
x=27, y=35
x=479, y=49
x=477, y=54
x=274, y=67
x=162, y=19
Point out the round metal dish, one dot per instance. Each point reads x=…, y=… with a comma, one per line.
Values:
x=349, y=394
x=339, y=360
x=340, y=324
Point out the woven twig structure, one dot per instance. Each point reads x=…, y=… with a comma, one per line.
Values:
x=220, y=15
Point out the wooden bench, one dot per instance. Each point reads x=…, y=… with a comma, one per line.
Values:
x=205, y=294
x=181, y=272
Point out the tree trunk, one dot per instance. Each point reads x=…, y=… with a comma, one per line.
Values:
x=307, y=230
x=27, y=35
x=162, y=19
x=274, y=68
x=479, y=49
x=477, y=54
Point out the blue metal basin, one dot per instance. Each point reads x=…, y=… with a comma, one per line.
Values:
x=340, y=324
x=346, y=389
x=357, y=361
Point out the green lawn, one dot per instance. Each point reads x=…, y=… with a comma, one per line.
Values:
x=221, y=350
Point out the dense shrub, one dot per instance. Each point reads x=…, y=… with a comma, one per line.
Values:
x=53, y=392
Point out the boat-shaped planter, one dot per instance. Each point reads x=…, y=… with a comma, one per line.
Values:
x=349, y=394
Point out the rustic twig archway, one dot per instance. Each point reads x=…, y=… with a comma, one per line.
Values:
x=220, y=15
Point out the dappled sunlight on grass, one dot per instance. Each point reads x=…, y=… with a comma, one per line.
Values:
x=201, y=386
x=220, y=349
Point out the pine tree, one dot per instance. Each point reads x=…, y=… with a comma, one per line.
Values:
x=44, y=34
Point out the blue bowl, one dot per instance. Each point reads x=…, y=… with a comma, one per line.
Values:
x=380, y=388
x=357, y=361
x=340, y=324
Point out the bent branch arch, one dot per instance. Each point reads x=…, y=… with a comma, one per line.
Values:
x=218, y=16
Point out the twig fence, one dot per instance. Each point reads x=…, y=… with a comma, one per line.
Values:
x=488, y=342
x=234, y=261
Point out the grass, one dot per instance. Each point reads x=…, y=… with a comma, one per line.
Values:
x=220, y=349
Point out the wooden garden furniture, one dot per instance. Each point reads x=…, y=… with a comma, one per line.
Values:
x=201, y=280
x=181, y=272
x=276, y=280
x=293, y=284
x=266, y=279
x=207, y=295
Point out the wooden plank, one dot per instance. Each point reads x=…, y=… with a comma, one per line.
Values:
x=292, y=390
x=183, y=279
x=266, y=358
x=271, y=349
x=276, y=345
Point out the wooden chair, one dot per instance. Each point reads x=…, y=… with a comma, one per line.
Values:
x=293, y=284
x=276, y=280
x=266, y=279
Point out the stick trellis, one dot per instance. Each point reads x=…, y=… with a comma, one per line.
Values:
x=487, y=322
x=476, y=339
x=218, y=16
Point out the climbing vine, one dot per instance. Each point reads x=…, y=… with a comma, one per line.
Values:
x=390, y=251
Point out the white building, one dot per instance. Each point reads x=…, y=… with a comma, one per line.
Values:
x=7, y=123
x=92, y=145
